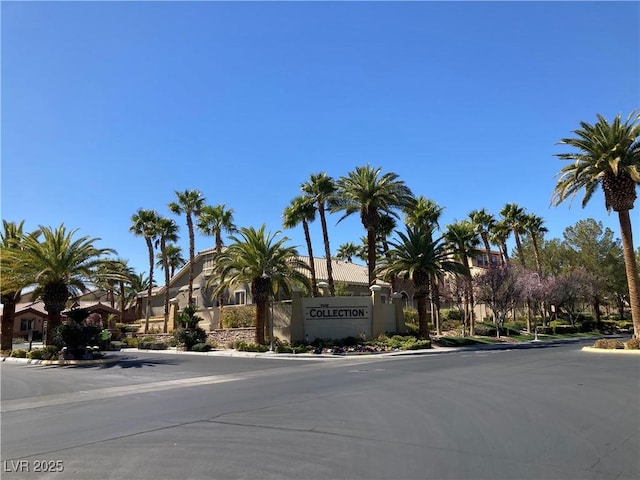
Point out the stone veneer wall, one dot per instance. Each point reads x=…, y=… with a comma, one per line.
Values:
x=223, y=338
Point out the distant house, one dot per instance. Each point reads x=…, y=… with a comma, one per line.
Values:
x=30, y=315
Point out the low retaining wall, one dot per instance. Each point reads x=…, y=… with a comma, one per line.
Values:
x=223, y=338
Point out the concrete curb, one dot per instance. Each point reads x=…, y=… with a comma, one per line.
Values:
x=611, y=350
x=33, y=361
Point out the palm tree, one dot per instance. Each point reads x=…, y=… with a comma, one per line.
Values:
x=214, y=221
x=464, y=241
x=498, y=235
x=533, y=225
x=10, y=291
x=607, y=154
x=175, y=260
x=302, y=210
x=421, y=258
x=425, y=214
x=483, y=223
x=166, y=231
x=263, y=261
x=515, y=217
x=58, y=266
x=144, y=224
x=366, y=191
x=320, y=188
x=190, y=202
x=135, y=284
x=347, y=251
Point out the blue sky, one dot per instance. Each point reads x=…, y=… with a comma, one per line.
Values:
x=108, y=107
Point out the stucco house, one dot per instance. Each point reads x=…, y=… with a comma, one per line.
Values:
x=351, y=279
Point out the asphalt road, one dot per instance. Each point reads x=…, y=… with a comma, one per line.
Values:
x=540, y=413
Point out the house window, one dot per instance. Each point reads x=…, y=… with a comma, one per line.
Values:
x=27, y=324
x=240, y=297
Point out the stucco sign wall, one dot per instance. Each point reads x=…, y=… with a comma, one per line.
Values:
x=337, y=317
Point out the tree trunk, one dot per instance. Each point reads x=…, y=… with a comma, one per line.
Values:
x=147, y=313
x=261, y=315
x=327, y=249
x=165, y=266
x=191, y=255
x=423, y=321
x=371, y=254
x=312, y=263
x=631, y=269
x=8, y=317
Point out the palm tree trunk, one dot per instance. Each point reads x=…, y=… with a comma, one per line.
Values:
x=261, y=316
x=165, y=266
x=423, y=321
x=631, y=269
x=327, y=250
x=8, y=316
x=371, y=254
x=312, y=263
x=147, y=313
x=191, y=255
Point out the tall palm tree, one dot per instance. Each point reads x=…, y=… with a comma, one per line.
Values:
x=347, y=251
x=371, y=194
x=136, y=283
x=498, y=235
x=421, y=258
x=302, y=211
x=321, y=189
x=124, y=276
x=534, y=227
x=483, y=223
x=144, y=224
x=263, y=261
x=58, y=265
x=190, y=202
x=464, y=241
x=175, y=260
x=216, y=220
x=607, y=154
x=515, y=217
x=166, y=231
x=10, y=287
x=425, y=214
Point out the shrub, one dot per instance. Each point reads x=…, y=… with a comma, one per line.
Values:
x=190, y=336
x=129, y=342
x=19, y=353
x=609, y=344
x=450, y=314
x=486, y=329
x=151, y=343
x=250, y=347
x=238, y=317
x=50, y=352
x=201, y=347
x=633, y=344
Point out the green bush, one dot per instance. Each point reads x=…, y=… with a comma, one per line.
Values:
x=450, y=314
x=201, y=347
x=129, y=342
x=50, y=352
x=486, y=329
x=565, y=329
x=19, y=353
x=238, y=317
x=250, y=347
x=151, y=343
x=190, y=336
x=516, y=326
x=544, y=330
x=608, y=344
x=633, y=344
